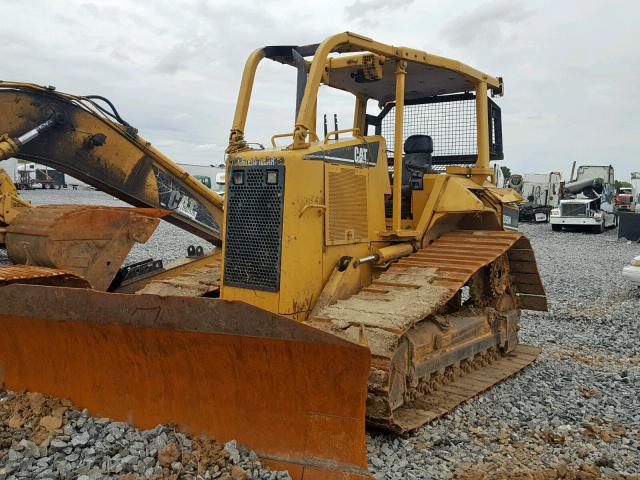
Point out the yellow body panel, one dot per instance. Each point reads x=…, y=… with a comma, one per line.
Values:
x=11, y=205
x=312, y=245
x=306, y=259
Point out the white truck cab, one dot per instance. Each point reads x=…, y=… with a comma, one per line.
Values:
x=541, y=193
x=587, y=202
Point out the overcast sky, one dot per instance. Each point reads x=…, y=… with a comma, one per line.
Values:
x=571, y=69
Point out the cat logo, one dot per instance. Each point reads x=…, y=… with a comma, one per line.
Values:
x=183, y=204
x=360, y=154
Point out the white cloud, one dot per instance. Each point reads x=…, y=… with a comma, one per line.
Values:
x=368, y=12
x=173, y=68
x=488, y=22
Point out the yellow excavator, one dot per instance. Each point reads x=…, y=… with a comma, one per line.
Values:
x=362, y=276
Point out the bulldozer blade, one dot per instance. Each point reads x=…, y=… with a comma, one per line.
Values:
x=221, y=369
x=88, y=240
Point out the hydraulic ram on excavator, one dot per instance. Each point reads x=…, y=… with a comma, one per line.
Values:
x=363, y=276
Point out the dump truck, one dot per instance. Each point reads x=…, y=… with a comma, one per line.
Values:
x=362, y=277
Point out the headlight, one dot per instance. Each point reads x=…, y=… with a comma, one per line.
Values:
x=237, y=177
x=636, y=262
x=272, y=177
x=597, y=215
x=555, y=212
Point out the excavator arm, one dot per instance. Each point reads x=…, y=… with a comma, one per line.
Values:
x=85, y=137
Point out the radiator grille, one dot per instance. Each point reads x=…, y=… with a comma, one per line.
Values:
x=573, y=209
x=254, y=229
x=346, y=219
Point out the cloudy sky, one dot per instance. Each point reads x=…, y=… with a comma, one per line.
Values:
x=571, y=68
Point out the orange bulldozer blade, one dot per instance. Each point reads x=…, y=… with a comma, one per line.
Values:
x=89, y=240
x=222, y=369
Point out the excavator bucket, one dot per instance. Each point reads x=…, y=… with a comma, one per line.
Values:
x=223, y=369
x=88, y=240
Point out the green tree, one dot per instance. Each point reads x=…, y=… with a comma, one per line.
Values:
x=620, y=184
x=506, y=172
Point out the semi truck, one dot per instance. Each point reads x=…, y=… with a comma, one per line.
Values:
x=32, y=175
x=588, y=201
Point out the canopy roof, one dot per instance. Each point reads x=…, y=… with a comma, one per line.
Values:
x=363, y=67
x=372, y=75
x=421, y=81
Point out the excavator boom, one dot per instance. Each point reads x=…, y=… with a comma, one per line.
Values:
x=85, y=137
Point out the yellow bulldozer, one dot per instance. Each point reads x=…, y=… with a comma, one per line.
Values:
x=362, y=276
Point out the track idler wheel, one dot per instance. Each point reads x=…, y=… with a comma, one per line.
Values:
x=491, y=286
x=499, y=275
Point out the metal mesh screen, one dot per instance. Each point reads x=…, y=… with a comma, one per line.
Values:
x=254, y=230
x=451, y=125
x=450, y=120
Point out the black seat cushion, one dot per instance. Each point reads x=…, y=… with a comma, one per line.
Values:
x=418, y=144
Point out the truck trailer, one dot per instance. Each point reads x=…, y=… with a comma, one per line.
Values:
x=541, y=192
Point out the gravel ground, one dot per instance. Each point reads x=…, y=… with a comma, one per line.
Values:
x=47, y=438
x=579, y=404
x=574, y=414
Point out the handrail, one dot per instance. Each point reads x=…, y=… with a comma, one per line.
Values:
x=356, y=133
x=342, y=43
x=279, y=135
x=282, y=135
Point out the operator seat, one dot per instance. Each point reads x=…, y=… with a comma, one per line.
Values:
x=417, y=160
